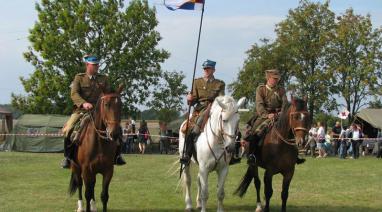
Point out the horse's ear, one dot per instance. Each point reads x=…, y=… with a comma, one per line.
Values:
x=305, y=98
x=221, y=103
x=241, y=102
x=120, y=88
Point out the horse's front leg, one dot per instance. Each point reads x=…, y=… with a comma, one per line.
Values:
x=89, y=192
x=257, y=186
x=222, y=175
x=105, y=188
x=287, y=178
x=268, y=190
x=187, y=186
x=80, y=203
x=203, y=179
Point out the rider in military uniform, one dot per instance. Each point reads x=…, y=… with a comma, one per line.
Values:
x=204, y=92
x=86, y=88
x=270, y=98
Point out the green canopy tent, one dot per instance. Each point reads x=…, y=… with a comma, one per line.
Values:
x=371, y=121
x=37, y=133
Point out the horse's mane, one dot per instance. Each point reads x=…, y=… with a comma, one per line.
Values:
x=284, y=117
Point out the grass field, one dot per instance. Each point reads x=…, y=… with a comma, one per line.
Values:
x=34, y=182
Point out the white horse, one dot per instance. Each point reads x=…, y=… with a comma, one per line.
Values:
x=212, y=148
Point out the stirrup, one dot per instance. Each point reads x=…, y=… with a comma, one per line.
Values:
x=65, y=163
x=185, y=160
x=251, y=159
x=119, y=161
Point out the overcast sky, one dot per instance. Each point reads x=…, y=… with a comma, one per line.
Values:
x=229, y=30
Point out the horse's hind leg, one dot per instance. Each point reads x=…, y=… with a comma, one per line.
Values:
x=187, y=186
x=105, y=189
x=287, y=178
x=268, y=190
x=222, y=175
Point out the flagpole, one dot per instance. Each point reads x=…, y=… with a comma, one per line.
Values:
x=192, y=85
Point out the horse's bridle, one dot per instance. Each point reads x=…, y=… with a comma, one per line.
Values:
x=104, y=133
x=221, y=135
x=294, y=129
x=222, y=132
x=291, y=141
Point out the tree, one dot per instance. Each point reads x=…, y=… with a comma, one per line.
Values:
x=305, y=33
x=167, y=98
x=355, y=60
x=376, y=104
x=260, y=58
x=124, y=38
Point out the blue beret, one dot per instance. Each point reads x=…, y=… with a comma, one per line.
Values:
x=209, y=64
x=91, y=59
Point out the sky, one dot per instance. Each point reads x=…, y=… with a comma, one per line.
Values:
x=229, y=30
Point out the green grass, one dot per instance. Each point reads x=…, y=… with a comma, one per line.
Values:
x=34, y=182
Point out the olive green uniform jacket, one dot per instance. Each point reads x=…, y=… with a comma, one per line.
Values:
x=85, y=89
x=268, y=100
x=205, y=91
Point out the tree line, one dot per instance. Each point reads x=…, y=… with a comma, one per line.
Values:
x=329, y=58
x=323, y=56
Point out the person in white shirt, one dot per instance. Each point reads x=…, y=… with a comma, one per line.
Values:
x=311, y=144
x=320, y=140
x=356, y=139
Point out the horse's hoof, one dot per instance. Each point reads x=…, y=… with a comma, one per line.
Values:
x=258, y=209
x=93, y=207
x=188, y=210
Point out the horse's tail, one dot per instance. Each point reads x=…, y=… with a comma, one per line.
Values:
x=300, y=160
x=245, y=182
x=73, y=184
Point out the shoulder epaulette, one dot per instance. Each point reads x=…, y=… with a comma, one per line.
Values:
x=220, y=81
x=80, y=74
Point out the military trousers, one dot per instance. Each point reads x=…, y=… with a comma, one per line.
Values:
x=74, y=118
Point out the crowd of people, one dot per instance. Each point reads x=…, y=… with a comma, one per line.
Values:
x=344, y=142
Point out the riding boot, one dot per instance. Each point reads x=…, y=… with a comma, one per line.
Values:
x=253, y=146
x=65, y=163
x=118, y=157
x=189, y=149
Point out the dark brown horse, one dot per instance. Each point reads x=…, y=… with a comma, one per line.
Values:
x=279, y=153
x=96, y=151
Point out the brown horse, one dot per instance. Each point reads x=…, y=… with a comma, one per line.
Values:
x=279, y=153
x=96, y=151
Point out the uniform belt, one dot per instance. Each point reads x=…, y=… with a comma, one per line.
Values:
x=273, y=110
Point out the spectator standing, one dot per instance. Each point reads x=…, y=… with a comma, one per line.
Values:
x=343, y=143
x=356, y=135
x=312, y=140
x=320, y=140
x=336, y=131
x=163, y=140
x=125, y=132
x=143, y=136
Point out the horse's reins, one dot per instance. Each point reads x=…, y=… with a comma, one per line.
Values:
x=222, y=134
